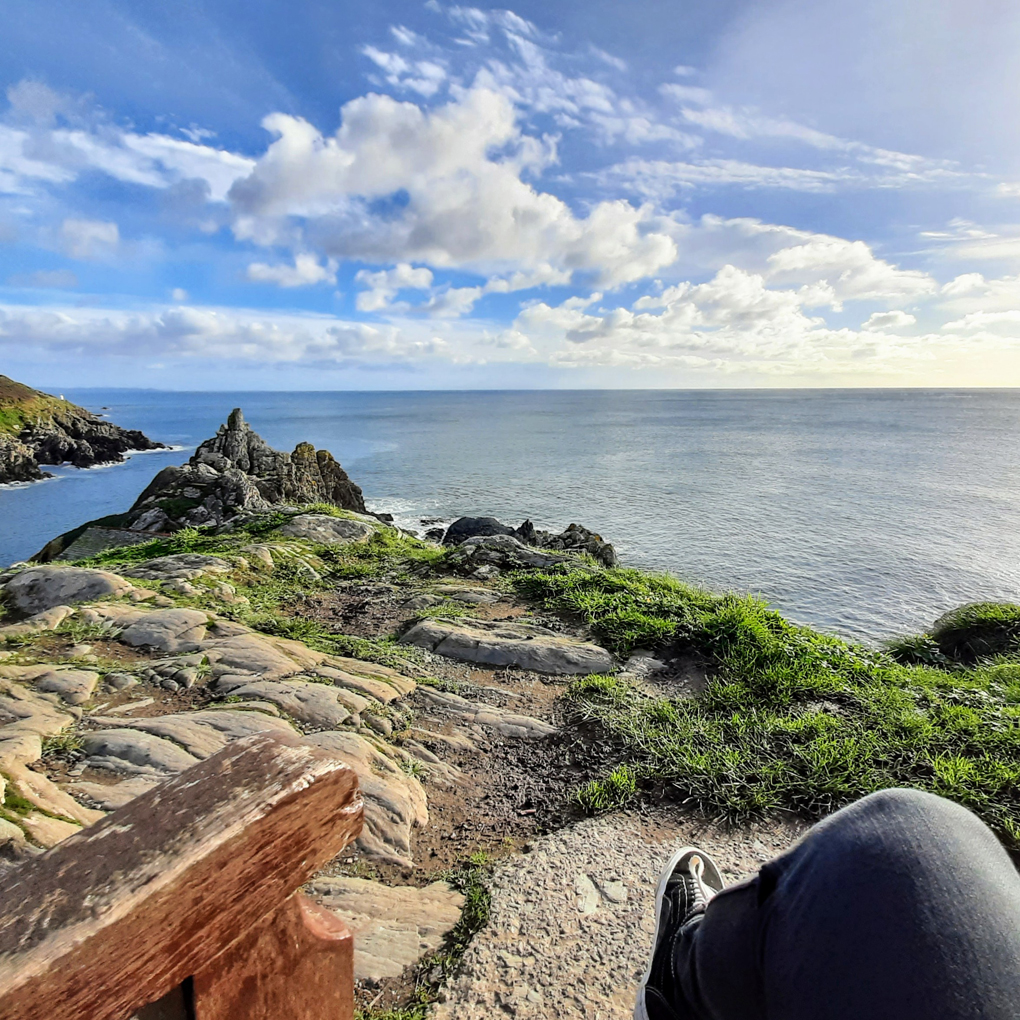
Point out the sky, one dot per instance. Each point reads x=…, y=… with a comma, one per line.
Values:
x=296, y=194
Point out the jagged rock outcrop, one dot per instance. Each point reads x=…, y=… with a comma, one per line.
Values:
x=236, y=472
x=37, y=429
x=574, y=539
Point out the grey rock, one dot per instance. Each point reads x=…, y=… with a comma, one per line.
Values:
x=504, y=552
x=168, y=630
x=120, y=681
x=41, y=588
x=574, y=539
x=395, y=803
x=327, y=530
x=509, y=644
x=116, y=795
x=74, y=686
x=179, y=567
x=250, y=653
x=506, y=724
x=471, y=527
x=205, y=732
x=312, y=704
x=587, y=895
x=133, y=751
x=393, y=926
x=94, y=540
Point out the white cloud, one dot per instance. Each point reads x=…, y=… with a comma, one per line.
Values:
x=465, y=204
x=384, y=285
x=305, y=272
x=734, y=322
x=423, y=76
x=889, y=320
x=35, y=149
x=89, y=239
x=660, y=180
x=231, y=334
x=179, y=294
x=850, y=268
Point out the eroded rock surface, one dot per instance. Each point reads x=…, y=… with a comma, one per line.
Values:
x=509, y=644
x=327, y=530
x=393, y=926
x=41, y=588
x=180, y=566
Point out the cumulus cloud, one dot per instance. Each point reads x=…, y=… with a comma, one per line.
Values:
x=89, y=239
x=383, y=286
x=734, y=322
x=889, y=320
x=305, y=272
x=450, y=183
x=850, y=268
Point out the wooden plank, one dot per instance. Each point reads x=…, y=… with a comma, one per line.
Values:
x=117, y=915
x=297, y=964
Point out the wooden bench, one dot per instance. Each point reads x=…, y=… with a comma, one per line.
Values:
x=185, y=902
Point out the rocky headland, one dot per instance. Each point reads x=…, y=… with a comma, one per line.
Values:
x=38, y=429
x=534, y=728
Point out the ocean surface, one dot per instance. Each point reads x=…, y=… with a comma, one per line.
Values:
x=865, y=513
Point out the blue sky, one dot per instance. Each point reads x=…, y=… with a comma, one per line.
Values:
x=401, y=195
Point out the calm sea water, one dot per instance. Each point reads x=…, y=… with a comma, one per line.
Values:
x=866, y=513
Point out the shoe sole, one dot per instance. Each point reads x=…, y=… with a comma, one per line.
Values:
x=711, y=878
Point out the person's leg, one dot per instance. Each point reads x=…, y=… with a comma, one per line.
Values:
x=900, y=906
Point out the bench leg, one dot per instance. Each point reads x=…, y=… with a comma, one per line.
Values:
x=297, y=964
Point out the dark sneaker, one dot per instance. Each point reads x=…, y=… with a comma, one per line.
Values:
x=689, y=880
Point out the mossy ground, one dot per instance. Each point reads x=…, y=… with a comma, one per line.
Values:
x=791, y=718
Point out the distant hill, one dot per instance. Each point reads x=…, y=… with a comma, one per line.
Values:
x=38, y=428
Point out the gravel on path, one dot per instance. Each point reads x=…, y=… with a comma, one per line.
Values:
x=572, y=920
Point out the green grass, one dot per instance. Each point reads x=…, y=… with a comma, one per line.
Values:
x=791, y=718
x=617, y=790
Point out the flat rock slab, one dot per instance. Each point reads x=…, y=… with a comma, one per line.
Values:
x=136, y=753
x=168, y=630
x=95, y=540
x=395, y=802
x=316, y=705
x=251, y=653
x=114, y=796
x=506, y=724
x=179, y=567
x=208, y=731
x=571, y=922
x=327, y=530
x=394, y=926
x=26, y=716
x=509, y=644
x=72, y=686
x=41, y=588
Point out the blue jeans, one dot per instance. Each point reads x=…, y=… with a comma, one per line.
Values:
x=900, y=906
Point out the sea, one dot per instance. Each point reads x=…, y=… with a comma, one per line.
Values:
x=865, y=513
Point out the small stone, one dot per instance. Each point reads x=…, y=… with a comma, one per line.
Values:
x=120, y=681
x=379, y=724
x=615, y=892
x=170, y=685
x=587, y=901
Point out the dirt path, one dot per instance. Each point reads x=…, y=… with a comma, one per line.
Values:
x=572, y=918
